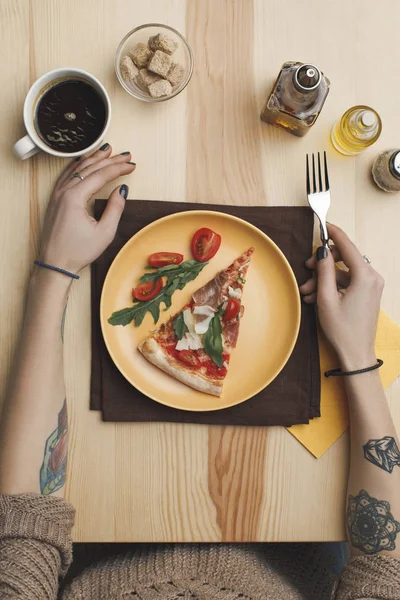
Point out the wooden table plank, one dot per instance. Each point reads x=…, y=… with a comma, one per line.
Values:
x=169, y=482
x=15, y=180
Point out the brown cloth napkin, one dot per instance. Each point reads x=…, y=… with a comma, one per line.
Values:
x=293, y=397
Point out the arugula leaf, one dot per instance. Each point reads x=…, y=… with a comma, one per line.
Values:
x=180, y=327
x=137, y=311
x=174, y=285
x=213, y=340
x=123, y=317
x=183, y=270
x=176, y=280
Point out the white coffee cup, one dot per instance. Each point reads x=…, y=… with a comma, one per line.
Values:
x=32, y=143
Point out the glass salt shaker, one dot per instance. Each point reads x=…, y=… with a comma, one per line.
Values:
x=386, y=170
x=359, y=128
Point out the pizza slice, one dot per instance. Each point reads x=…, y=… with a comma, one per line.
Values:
x=195, y=345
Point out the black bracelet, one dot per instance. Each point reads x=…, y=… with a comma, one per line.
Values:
x=340, y=373
x=53, y=268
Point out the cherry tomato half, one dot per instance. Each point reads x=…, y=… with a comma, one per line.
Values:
x=147, y=290
x=232, y=309
x=188, y=358
x=162, y=259
x=205, y=244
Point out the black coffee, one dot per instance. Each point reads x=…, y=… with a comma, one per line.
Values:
x=70, y=116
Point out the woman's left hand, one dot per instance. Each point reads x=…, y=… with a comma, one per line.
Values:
x=72, y=238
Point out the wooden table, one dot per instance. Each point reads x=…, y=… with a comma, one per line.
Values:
x=155, y=482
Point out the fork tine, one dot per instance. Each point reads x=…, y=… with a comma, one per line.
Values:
x=308, y=175
x=321, y=189
x=313, y=175
x=326, y=172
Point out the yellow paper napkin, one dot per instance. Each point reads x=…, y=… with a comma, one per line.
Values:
x=322, y=432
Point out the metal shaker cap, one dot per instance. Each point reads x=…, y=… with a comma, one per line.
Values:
x=307, y=78
x=394, y=164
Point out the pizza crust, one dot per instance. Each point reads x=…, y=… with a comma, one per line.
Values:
x=152, y=351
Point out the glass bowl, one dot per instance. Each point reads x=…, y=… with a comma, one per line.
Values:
x=183, y=55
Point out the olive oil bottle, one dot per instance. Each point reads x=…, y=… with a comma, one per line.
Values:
x=358, y=128
x=297, y=98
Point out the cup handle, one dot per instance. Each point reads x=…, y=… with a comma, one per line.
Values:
x=25, y=148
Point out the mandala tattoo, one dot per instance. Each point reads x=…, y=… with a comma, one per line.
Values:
x=383, y=453
x=371, y=526
x=52, y=473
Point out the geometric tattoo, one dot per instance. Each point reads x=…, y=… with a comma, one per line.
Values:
x=371, y=526
x=383, y=453
x=52, y=473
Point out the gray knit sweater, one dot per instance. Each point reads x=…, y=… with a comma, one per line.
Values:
x=36, y=551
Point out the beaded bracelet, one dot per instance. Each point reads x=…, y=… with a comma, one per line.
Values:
x=53, y=268
x=340, y=373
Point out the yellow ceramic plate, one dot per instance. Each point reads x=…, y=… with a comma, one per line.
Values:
x=268, y=330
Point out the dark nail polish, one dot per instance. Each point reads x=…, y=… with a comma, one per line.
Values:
x=123, y=190
x=129, y=163
x=105, y=147
x=125, y=153
x=78, y=158
x=322, y=253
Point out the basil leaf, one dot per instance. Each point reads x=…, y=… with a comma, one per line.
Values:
x=213, y=340
x=180, y=327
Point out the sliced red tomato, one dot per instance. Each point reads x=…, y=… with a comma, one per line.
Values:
x=205, y=244
x=162, y=259
x=188, y=358
x=147, y=290
x=232, y=309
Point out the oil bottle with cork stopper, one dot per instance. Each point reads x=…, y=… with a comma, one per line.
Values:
x=297, y=98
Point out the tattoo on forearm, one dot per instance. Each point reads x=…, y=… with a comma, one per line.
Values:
x=370, y=523
x=384, y=453
x=52, y=473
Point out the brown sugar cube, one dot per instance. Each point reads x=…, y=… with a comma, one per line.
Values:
x=145, y=78
x=141, y=55
x=128, y=69
x=160, y=63
x=175, y=74
x=162, y=42
x=160, y=88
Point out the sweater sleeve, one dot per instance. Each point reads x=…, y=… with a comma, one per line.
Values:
x=370, y=578
x=35, y=545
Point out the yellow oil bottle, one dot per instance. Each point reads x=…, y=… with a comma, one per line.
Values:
x=359, y=127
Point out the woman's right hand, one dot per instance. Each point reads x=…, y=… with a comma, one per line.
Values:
x=348, y=301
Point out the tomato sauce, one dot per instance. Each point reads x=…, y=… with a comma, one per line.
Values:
x=210, y=367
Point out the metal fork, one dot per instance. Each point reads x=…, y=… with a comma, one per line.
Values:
x=319, y=199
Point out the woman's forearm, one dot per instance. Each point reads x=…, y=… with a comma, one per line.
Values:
x=373, y=503
x=34, y=425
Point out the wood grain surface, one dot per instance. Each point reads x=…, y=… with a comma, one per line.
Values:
x=163, y=482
